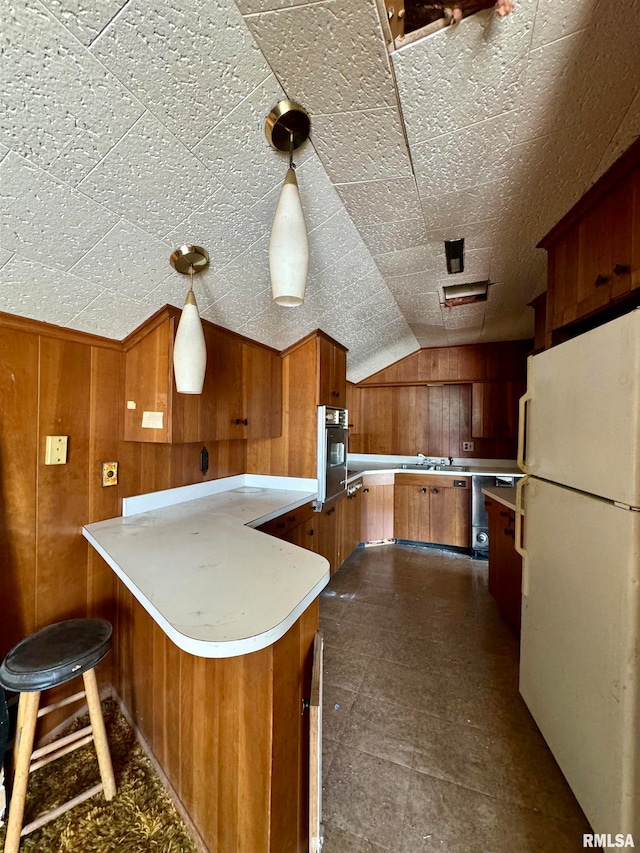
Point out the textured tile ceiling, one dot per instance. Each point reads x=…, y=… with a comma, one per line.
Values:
x=129, y=127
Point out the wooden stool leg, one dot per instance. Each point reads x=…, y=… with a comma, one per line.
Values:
x=27, y=716
x=99, y=734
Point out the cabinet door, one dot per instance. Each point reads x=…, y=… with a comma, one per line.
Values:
x=339, y=376
x=412, y=513
x=449, y=515
x=494, y=409
x=594, y=258
x=229, y=401
x=563, y=279
x=327, y=543
x=377, y=511
x=262, y=392
x=626, y=221
x=332, y=374
x=149, y=386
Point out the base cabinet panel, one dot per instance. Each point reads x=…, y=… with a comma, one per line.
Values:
x=505, y=564
x=228, y=733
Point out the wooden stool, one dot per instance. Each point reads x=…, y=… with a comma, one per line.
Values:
x=47, y=658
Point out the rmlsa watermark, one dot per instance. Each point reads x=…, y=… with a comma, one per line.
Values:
x=618, y=840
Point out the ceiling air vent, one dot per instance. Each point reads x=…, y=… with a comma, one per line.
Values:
x=454, y=253
x=465, y=294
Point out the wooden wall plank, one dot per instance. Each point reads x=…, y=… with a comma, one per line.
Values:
x=18, y=443
x=64, y=409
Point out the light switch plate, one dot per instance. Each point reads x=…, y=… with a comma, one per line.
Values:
x=109, y=473
x=55, y=450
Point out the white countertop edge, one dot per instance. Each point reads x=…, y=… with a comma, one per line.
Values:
x=392, y=459
x=305, y=498
x=495, y=494
x=170, y=497
x=473, y=472
x=211, y=648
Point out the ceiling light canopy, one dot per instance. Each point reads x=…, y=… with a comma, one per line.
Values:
x=286, y=128
x=189, y=348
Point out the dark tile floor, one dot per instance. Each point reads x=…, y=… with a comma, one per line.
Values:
x=427, y=743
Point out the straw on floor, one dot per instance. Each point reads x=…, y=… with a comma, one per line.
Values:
x=140, y=819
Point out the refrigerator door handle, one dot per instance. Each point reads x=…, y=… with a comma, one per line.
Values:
x=522, y=431
x=520, y=486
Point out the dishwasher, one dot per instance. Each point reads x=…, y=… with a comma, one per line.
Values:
x=479, y=518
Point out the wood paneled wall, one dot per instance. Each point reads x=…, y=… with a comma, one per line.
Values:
x=399, y=411
x=55, y=381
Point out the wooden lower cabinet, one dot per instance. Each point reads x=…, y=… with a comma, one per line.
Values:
x=349, y=522
x=377, y=507
x=433, y=508
x=505, y=564
x=227, y=732
x=334, y=532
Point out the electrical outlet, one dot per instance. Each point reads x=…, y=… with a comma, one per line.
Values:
x=55, y=450
x=468, y=445
x=109, y=473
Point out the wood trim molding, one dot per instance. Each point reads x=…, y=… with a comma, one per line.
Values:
x=168, y=311
x=317, y=333
x=49, y=330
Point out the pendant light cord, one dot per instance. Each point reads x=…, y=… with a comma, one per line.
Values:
x=292, y=165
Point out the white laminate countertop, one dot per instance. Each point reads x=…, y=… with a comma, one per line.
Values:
x=503, y=495
x=361, y=464
x=215, y=586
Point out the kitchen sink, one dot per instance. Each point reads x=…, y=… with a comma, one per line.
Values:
x=453, y=468
x=408, y=466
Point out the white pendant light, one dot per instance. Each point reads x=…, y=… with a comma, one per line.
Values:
x=189, y=347
x=289, y=247
x=286, y=128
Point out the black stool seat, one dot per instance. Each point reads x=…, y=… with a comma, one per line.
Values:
x=55, y=654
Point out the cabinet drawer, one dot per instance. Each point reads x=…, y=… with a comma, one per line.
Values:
x=284, y=524
x=434, y=481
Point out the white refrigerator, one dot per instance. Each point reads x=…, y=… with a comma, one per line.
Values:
x=579, y=536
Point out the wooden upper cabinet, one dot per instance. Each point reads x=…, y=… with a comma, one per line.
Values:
x=594, y=251
x=262, y=391
x=247, y=399
x=241, y=398
x=494, y=409
x=332, y=374
x=149, y=387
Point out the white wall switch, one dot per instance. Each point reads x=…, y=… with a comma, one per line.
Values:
x=468, y=445
x=55, y=450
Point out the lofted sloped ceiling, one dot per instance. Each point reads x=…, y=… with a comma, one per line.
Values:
x=129, y=127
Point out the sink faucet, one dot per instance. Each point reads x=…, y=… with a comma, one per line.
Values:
x=424, y=460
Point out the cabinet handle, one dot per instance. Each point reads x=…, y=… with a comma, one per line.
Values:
x=365, y=490
x=245, y=422
x=291, y=518
x=311, y=532
x=509, y=532
x=504, y=513
x=435, y=491
x=280, y=525
x=236, y=421
x=329, y=511
x=424, y=491
x=601, y=279
x=622, y=269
